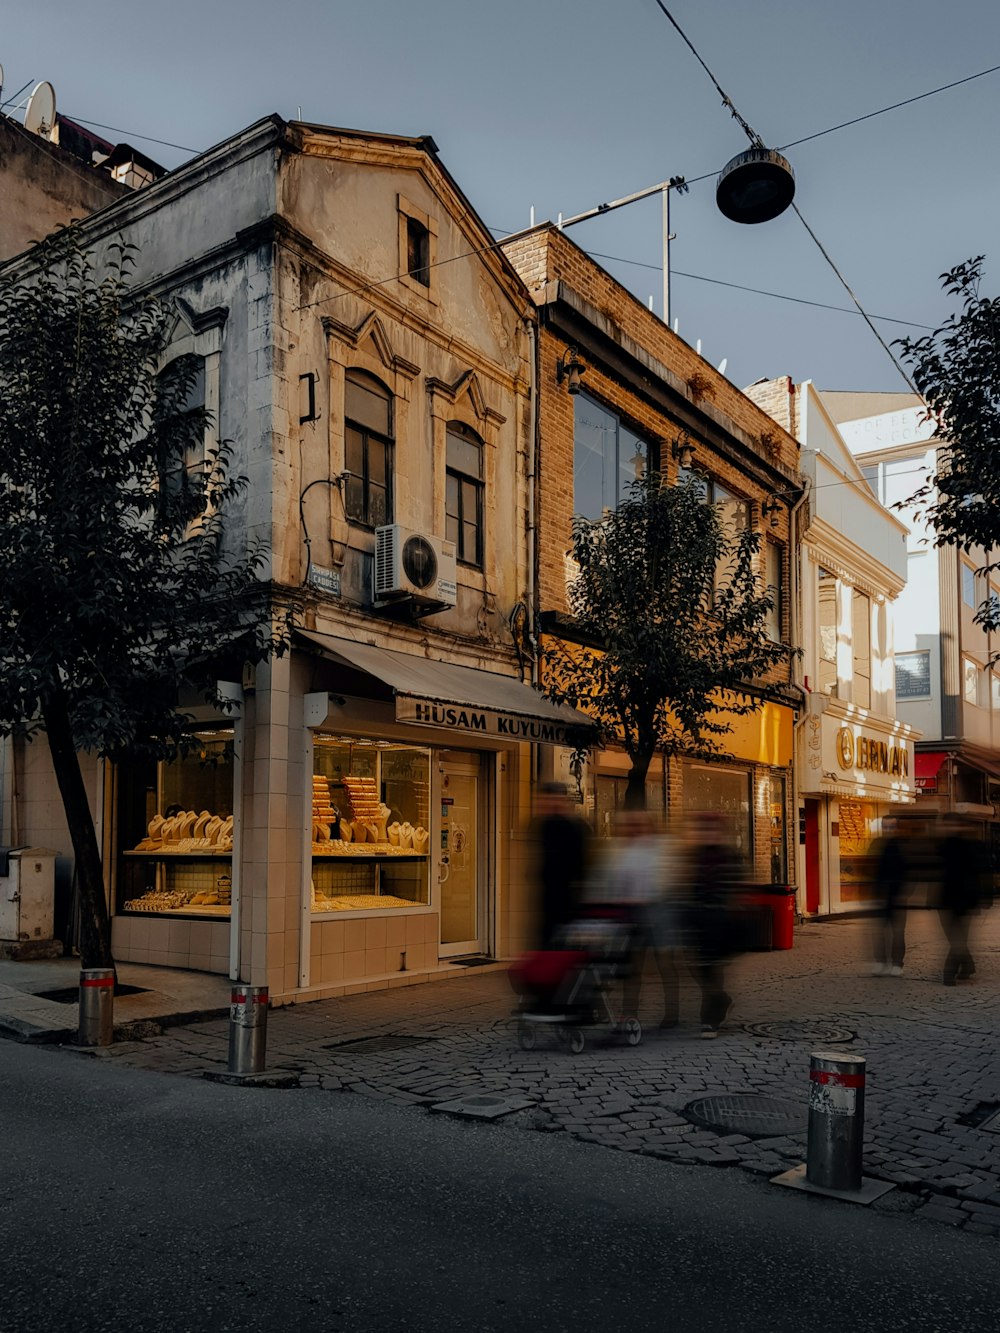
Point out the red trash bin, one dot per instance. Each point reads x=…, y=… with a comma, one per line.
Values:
x=779, y=901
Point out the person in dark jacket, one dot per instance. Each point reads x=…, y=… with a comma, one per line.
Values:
x=962, y=890
x=562, y=842
x=712, y=875
x=891, y=873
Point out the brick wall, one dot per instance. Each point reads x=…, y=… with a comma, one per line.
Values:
x=547, y=255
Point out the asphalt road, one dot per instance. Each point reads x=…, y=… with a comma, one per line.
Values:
x=143, y=1203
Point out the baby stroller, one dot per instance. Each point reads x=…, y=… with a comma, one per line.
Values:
x=567, y=989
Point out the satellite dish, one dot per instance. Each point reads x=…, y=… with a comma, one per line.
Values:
x=755, y=186
x=40, y=117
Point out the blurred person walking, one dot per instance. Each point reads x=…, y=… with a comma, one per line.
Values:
x=713, y=873
x=892, y=872
x=635, y=876
x=561, y=850
x=963, y=888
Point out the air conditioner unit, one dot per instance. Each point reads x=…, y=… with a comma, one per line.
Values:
x=413, y=566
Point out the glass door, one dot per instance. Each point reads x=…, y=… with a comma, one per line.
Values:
x=463, y=855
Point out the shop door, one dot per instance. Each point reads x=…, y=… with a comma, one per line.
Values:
x=812, y=856
x=463, y=856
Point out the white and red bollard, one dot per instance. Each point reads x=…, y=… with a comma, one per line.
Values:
x=247, y=1029
x=97, y=1007
x=836, y=1135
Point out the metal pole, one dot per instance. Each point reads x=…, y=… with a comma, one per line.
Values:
x=247, y=1029
x=836, y=1120
x=666, y=254
x=97, y=1007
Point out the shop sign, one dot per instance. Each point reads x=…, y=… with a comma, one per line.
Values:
x=872, y=756
x=482, y=722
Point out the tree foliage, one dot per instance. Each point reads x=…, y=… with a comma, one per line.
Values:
x=119, y=587
x=957, y=370
x=672, y=619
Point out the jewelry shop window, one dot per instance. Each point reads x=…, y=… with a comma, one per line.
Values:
x=370, y=825
x=175, y=831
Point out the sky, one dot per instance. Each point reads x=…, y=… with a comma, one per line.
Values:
x=561, y=105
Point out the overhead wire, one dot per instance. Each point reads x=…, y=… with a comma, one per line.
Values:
x=756, y=139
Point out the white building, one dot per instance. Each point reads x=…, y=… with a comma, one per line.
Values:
x=855, y=755
x=944, y=684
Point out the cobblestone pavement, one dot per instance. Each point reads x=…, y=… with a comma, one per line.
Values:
x=933, y=1062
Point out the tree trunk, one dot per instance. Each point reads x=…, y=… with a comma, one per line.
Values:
x=95, y=926
x=635, y=790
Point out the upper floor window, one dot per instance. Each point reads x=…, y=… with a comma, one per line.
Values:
x=464, y=493
x=607, y=458
x=969, y=596
x=418, y=252
x=774, y=582
x=829, y=632
x=367, y=449
x=861, y=647
x=181, y=393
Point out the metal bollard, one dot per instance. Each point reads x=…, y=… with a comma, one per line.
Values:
x=836, y=1120
x=247, y=1029
x=97, y=1007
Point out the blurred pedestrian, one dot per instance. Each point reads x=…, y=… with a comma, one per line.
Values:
x=963, y=889
x=561, y=848
x=892, y=873
x=712, y=876
x=634, y=876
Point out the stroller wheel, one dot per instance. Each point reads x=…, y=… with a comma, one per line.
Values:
x=526, y=1036
x=577, y=1041
x=633, y=1031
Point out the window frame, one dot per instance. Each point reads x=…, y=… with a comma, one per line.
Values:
x=358, y=376
x=622, y=423
x=775, y=550
x=858, y=595
x=465, y=479
x=833, y=692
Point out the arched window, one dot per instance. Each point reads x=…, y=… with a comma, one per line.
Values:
x=464, y=493
x=367, y=449
x=180, y=392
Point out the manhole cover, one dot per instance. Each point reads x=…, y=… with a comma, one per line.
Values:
x=389, y=1041
x=71, y=994
x=748, y=1113
x=485, y=1106
x=788, y=1030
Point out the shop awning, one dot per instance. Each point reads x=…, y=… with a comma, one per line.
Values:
x=926, y=766
x=457, y=698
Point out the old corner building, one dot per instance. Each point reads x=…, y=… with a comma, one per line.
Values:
x=636, y=390
x=359, y=819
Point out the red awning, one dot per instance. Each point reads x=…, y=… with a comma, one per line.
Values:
x=927, y=763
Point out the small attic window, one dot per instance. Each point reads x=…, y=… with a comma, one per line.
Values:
x=418, y=235
x=418, y=252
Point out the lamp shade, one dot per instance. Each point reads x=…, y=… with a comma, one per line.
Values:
x=755, y=186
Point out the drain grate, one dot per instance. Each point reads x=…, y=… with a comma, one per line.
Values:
x=747, y=1113
x=388, y=1041
x=71, y=994
x=984, y=1115
x=475, y=961
x=788, y=1030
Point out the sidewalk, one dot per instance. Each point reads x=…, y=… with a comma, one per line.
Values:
x=932, y=1052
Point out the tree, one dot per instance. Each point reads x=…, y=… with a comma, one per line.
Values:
x=119, y=587
x=669, y=624
x=957, y=370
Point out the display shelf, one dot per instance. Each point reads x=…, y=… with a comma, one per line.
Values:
x=181, y=856
x=212, y=913
x=387, y=855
